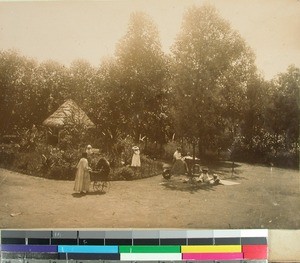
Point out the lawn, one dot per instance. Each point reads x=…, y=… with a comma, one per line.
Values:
x=262, y=198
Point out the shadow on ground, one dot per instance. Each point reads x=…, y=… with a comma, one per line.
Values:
x=98, y=192
x=79, y=195
x=226, y=175
x=222, y=169
x=225, y=164
x=191, y=187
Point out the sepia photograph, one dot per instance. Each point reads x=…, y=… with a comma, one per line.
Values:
x=150, y=114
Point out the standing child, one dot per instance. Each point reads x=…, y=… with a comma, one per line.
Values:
x=136, y=160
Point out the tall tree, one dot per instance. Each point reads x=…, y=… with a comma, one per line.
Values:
x=211, y=68
x=254, y=140
x=143, y=74
x=283, y=118
x=82, y=78
x=50, y=89
x=16, y=74
x=110, y=105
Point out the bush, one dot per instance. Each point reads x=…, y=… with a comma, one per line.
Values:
x=28, y=162
x=169, y=150
x=286, y=159
x=58, y=164
x=62, y=173
x=7, y=156
x=266, y=150
x=123, y=173
x=54, y=163
x=150, y=167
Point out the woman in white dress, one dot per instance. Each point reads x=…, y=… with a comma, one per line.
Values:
x=136, y=160
x=82, y=179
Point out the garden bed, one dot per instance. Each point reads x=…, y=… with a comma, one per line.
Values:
x=53, y=163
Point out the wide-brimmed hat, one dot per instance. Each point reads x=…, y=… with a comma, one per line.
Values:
x=89, y=146
x=135, y=148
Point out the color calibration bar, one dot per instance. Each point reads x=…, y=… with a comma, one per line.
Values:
x=134, y=245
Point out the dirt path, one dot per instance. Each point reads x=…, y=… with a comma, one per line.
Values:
x=262, y=199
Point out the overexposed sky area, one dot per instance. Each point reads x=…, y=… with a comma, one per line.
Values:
x=68, y=30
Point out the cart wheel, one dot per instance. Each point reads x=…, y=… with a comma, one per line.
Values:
x=97, y=186
x=105, y=186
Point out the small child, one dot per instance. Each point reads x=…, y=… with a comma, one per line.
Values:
x=136, y=160
x=204, y=177
x=216, y=179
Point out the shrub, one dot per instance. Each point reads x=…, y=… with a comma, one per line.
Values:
x=169, y=150
x=150, y=167
x=154, y=150
x=54, y=163
x=123, y=173
x=7, y=156
x=62, y=172
x=28, y=162
x=59, y=164
x=286, y=159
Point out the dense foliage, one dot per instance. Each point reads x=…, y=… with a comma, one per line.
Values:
x=211, y=70
x=206, y=92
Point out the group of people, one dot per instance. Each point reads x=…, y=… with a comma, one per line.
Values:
x=180, y=165
x=187, y=162
x=83, y=169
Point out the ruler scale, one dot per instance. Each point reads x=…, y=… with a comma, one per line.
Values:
x=133, y=246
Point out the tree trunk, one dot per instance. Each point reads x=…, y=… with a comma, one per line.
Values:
x=194, y=153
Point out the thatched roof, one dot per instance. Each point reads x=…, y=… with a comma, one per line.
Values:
x=68, y=114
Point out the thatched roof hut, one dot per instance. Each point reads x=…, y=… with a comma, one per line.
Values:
x=68, y=114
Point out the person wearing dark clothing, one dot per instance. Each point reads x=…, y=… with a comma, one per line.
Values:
x=103, y=166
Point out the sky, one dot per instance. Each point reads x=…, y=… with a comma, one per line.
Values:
x=65, y=31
